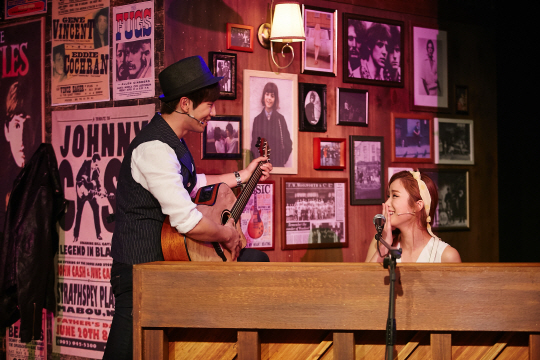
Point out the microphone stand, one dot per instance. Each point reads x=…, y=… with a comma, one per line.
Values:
x=389, y=262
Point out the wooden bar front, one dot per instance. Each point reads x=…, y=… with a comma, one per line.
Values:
x=337, y=297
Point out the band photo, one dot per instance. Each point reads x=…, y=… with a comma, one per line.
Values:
x=372, y=50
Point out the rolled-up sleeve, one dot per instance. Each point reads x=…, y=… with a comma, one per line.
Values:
x=156, y=168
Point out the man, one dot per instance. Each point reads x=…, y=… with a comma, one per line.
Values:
x=345, y=113
x=310, y=109
x=59, y=53
x=101, y=26
x=88, y=186
x=378, y=36
x=156, y=179
x=393, y=68
x=138, y=59
x=429, y=71
x=122, y=72
x=355, y=33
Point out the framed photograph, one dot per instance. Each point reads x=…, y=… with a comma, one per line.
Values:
x=462, y=99
x=258, y=218
x=367, y=175
x=455, y=142
x=372, y=50
x=430, y=75
x=412, y=139
x=315, y=213
x=224, y=64
x=312, y=106
x=240, y=37
x=319, y=51
x=271, y=112
x=453, y=210
x=222, y=138
x=352, y=107
x=329, y=154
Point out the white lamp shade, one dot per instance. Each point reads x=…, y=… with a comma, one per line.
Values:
x=287, y=25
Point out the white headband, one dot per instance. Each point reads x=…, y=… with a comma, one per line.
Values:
x=426, y=197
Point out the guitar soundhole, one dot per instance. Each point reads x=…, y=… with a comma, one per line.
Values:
x=225, y=216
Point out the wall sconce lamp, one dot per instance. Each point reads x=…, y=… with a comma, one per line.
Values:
x=286, y=27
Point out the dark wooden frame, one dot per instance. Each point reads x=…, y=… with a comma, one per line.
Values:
x=273, y=211
x=239, y=48
x=284, y=245
x=333, y=13
x=411, y=116
x=213, y=57
x=346, y=78
x=446, y=89
x=303, y=90
x=317, y=154
x=352, y=167
x=339, y=92
x=457, y=91
x=226, y=118
x=434, y=175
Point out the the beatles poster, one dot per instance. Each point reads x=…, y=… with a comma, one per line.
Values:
x=80, y=51
x=36, y=349
x=133, y=51
x=89, y=146
x=21, y=101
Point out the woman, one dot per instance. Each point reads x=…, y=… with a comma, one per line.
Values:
x=101, y=28
x=408, y=211
x=230, y=140
x=317, y=41
x=271, y=125
x=219, y=141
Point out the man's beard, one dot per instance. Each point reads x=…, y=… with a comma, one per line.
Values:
x=354, y=58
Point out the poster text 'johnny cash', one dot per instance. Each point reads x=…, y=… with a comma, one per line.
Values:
x=134, y=23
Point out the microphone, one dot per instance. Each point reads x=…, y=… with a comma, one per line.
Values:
x=191, y=116
x=399, y=214
x=379, y=221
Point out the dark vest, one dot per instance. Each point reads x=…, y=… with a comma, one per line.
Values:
x=137, y=232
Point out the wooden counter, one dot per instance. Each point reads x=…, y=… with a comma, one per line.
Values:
x=337, y=297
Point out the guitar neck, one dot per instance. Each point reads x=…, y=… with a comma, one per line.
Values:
x=243, y=199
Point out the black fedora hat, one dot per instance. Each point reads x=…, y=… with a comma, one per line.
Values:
x=184, y=77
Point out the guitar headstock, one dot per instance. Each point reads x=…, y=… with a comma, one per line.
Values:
x=264, y=149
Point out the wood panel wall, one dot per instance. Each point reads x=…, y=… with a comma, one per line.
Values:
x=198, y=27
x=195, y=27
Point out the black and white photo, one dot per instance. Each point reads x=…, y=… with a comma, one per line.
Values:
x=412, y=139
x=453, y=209
x=372, y=50
x=222, y=138
x=224, y=65
x=352, y=107
x=312, y=107
x=320, y=48
x=315, y=213
x=271, y=112
x=239, y=37
x=454, y=141
x=430, y=77
x=367, y=176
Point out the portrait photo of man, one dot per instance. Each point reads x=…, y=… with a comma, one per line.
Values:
x=139, y=59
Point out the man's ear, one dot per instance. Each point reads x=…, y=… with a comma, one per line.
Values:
x=183, y=104
x=6, y=132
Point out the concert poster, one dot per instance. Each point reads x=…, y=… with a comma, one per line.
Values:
x=22, y=101
x=89, y=146
x=80, y=51
x=133, y=51
x=19, y=8
x=257, y=219
x=37, y=349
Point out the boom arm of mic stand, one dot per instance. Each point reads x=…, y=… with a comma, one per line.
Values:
x=396, y=253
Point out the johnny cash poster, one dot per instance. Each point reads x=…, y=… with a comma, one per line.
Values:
x=133, y=51
x=89, y=145
x=22, y=101
x=80, y=51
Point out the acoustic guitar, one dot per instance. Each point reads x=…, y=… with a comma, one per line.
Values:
x=218, y=203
